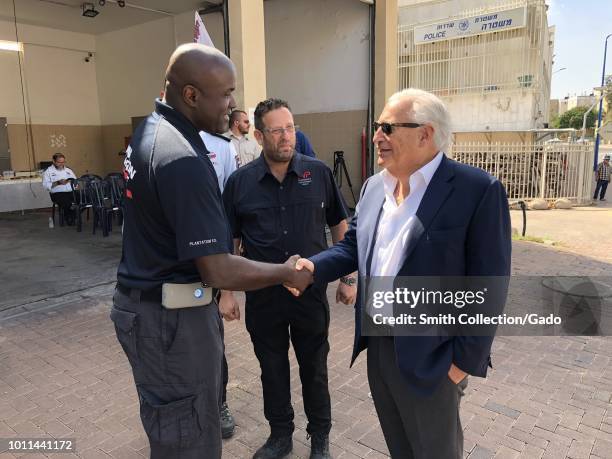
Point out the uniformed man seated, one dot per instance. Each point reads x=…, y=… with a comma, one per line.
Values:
x=56, y=180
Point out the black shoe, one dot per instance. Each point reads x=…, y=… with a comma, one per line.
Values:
x=275, y=448
x=319, y=447
x=227, y=422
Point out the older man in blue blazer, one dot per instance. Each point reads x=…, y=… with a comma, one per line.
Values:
x=422, y=215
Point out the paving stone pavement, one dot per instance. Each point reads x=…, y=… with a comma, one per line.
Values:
x=63, y=375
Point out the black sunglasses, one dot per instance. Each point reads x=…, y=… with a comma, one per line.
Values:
x=387, y=128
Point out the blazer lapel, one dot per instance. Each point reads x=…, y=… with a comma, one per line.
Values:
x=372, y=242
x=437, y=191
x=370, y=209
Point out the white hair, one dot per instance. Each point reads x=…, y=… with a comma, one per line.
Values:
x=427, y=108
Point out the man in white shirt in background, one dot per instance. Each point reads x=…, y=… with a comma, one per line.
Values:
x=247, y=149
x=222, y=155
x=56, y=182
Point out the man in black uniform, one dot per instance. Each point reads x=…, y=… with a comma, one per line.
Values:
x=176, y=233
x=279, y=204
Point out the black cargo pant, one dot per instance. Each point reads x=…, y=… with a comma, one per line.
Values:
x=272, y=319
x=176, y=360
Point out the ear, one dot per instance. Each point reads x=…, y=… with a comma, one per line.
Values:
x=258, y=136
x=190, y=95
x=426, y=134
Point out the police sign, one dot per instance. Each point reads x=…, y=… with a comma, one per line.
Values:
x=474, y=25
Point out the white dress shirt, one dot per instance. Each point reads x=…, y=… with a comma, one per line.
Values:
x=396, y=223
x=52, y=174
x=222, y=155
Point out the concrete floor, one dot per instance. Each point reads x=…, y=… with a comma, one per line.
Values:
x=39, y=264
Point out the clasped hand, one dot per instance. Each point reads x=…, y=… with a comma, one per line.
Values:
x=300, y=278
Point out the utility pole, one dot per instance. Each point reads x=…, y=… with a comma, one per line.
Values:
x=603, y=78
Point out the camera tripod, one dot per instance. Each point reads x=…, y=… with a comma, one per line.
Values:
x=339, y=170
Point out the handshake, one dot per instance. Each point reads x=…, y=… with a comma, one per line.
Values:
x=301, y=275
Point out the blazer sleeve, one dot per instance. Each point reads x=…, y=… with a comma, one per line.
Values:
x=343, y=257
x=489, y=247
x=340, y=259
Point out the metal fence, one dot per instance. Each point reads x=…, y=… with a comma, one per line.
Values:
x=538, y=170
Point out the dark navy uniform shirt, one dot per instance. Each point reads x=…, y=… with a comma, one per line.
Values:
x=173, y=208
x=276, y=220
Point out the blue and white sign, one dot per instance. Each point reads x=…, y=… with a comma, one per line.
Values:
x=474, y=25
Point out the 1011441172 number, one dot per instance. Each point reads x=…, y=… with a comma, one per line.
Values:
x=37, y=444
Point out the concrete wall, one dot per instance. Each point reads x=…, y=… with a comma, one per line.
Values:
x=131, y=64
x=510, y=110
x=84, y=109
x=419, y=11
x=131, y=75
x=59, y=95
x=317, y=59
x=317, y=54
x=329, y=132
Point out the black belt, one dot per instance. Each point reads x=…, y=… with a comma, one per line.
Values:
x=153, y=295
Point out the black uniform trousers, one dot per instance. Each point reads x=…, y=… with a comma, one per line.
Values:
x=272, y=320
x=176, y=359
x=64, y=200
x=225, y=380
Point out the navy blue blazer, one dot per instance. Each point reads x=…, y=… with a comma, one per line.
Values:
x=463, y=229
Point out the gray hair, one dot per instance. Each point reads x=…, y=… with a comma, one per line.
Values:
x=427, y=108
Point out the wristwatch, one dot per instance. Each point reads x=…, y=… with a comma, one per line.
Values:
x=348, y=280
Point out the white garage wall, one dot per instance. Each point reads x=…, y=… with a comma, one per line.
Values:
x=60, y=85
x=131, y=63
x=317, y=54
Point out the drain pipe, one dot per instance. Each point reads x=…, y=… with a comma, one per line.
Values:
x=372, y=75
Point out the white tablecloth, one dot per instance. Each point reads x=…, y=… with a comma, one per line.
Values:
x=23, y=194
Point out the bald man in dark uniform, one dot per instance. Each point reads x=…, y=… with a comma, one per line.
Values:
x=176, y=247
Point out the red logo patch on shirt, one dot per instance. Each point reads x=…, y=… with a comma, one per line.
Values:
x=305, y=179
x=128, y=193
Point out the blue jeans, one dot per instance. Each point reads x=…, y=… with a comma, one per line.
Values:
x=603, y=186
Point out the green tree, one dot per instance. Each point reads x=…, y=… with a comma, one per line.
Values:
x=573, y=118
x=554, y=122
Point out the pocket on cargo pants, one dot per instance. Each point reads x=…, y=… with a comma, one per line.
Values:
x=175, y=423
x=125, y=328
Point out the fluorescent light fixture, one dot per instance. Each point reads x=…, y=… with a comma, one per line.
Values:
x=10, y=46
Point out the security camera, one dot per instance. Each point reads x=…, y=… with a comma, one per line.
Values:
x=101, y=2
x=121, y=3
